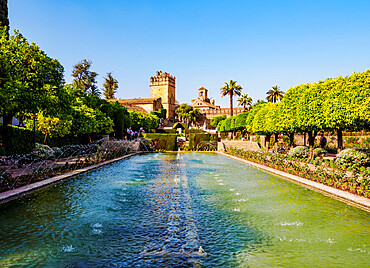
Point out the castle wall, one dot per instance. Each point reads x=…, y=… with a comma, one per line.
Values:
x=209, y=114
x=163, y=86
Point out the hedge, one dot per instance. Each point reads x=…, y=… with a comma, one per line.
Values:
x=180, y=125
x=203, y=142
x=21, y=140
x=161, y=113
x=166, y=131
x=194, y=130
x=167, y=142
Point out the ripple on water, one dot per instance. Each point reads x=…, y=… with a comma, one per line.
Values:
x=68, y=249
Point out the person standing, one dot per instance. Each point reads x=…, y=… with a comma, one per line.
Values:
x=322, y=141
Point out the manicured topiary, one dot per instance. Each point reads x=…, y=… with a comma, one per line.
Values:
x=319, y=152
x=299, y=152
x=354, y=156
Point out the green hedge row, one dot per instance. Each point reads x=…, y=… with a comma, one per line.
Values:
x=166, y=131
x=194, y=131
x=21, y=140
x=180, y=125
x=203, y=142
x=167, y=142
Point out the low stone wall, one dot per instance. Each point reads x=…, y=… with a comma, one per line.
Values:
x=243, y=145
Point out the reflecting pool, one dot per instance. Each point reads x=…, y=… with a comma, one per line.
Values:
x=181, y=210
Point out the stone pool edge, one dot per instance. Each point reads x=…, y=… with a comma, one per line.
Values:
x=27, y=189
x=343, y=196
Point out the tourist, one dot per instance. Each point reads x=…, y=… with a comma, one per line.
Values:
x=322, y=141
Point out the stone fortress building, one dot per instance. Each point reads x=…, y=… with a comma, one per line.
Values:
x=208, y=109
x=163, y=86
x=162, y=95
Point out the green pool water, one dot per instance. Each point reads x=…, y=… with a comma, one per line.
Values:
x=181, y=210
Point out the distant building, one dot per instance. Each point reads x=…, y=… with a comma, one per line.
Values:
x=209, y=109
x=162, y=95
x=163, y=86
x=142, y=105
x=203, y=102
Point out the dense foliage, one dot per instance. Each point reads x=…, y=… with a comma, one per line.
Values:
x=203, y=142
x=216, y=120
x=32, y=88
x=187, y=113
x=331, y=105
x=355, y=180
x=161, y=113
x=162, y=142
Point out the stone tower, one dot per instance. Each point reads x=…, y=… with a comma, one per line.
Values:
x=203, y=94
x=163, y=86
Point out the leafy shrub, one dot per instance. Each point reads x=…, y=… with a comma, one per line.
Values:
x=352, y=142
x=354, y=156
x=161, y=113
x=217, y=119
x=299, y=152
x=43, y=151
x=366, y=142
x=20, y=140
x=194, y=130
x=203, y=142
x=166, y=142
x=166, y=131
x=180, y=125
x=319, y=152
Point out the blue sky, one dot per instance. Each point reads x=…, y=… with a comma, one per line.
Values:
x=259, y=43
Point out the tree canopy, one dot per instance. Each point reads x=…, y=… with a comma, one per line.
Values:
x=110, y=86
x=274, y=94
x=187, y=112
x=231, y=89
x=245, y=101
x=84, y=78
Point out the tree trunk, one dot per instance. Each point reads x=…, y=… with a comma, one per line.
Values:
x=311, y=143
x=231, y=104
x=46, y=135
x=291, y=139
x=340, y=140
x=267, y=141
x=304, y=139
x=276, y=141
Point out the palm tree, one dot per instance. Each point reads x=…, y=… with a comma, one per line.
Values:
x=245, y=100
x=231, y=89
x=110, y=86
x=274, y=94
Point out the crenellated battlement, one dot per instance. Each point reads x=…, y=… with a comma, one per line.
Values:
x=163, y=86
x=162, y=77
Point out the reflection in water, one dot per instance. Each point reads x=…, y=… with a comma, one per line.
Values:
x=181, y=210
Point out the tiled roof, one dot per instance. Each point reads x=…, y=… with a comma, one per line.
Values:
x=138, y=101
